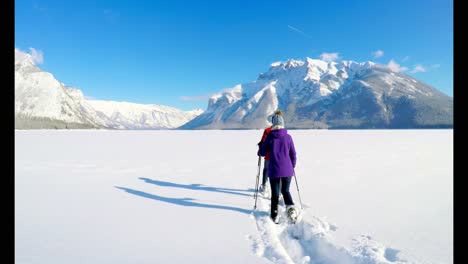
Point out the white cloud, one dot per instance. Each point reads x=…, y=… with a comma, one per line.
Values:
x=329, y=56
x=377, y=54
x=195, y=98
x=396, y=67
x=421, y=68
x=418, y=68
x=37, y=56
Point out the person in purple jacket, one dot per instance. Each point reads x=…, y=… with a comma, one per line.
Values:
x=281, y=166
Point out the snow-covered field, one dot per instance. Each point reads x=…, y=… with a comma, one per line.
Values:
x=369, y=196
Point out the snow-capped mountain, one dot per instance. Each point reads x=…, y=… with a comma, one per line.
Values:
x=124, y=115
x=41, y=101
x=318, y=94
x=39, y=95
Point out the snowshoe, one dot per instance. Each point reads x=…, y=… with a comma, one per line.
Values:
x=275, y=219
x=292, y=214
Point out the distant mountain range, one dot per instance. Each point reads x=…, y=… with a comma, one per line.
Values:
x=41, y=101
x=318, y=94
x=312, y=94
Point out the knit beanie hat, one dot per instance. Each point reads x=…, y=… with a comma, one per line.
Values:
x=277, y=118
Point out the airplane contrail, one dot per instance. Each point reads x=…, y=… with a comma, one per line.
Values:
x=299, y=31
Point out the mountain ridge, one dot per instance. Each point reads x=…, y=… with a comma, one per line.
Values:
x=41, y=101
x=318, y=94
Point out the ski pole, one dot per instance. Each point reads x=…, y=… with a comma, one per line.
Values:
x=256, y=184
x=297, y=185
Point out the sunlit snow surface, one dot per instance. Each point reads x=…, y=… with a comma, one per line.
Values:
x=369, y=196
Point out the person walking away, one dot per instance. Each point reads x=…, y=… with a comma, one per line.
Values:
x=279, y=144
x=264, y=188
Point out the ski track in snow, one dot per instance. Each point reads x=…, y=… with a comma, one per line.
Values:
x=307, y=241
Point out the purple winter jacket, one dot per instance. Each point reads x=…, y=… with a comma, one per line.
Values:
x=282, y=153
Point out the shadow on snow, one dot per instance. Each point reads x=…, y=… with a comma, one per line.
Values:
x=197, y=187
x=183, y=201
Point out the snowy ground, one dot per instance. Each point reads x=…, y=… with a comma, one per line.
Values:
x=370, y=196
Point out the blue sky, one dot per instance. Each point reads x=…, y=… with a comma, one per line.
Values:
x=177, y=53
